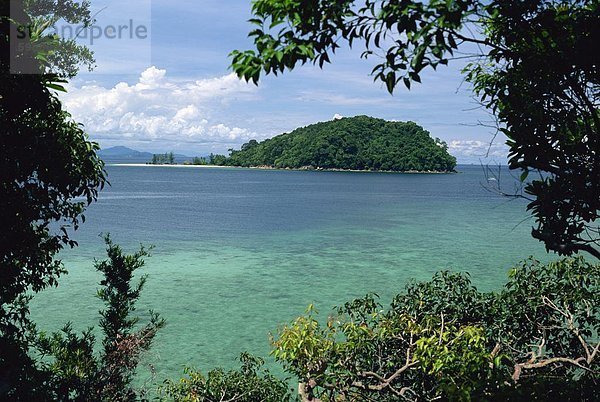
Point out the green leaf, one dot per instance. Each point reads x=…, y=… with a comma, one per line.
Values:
x=56, y=87
x=524, y=175
x=390, y=81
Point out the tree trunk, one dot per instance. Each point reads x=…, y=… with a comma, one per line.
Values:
x=306, y=391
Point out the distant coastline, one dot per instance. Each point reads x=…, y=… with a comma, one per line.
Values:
x=305, y=169
x=175, y=165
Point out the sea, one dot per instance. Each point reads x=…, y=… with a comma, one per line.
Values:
x=237, y=253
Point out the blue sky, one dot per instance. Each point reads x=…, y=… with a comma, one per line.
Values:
x=173, y=91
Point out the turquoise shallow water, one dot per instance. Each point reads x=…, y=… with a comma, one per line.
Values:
x=238, y=251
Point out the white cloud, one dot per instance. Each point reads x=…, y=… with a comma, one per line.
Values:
x=161, y=110
x=473, y=149
x=337, y=116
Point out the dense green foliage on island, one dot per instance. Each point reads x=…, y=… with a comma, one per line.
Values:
x=163, y=159
x=357, y=143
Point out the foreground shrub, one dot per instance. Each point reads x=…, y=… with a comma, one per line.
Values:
x=535, y=339
x=251, y=383
x=69, y=368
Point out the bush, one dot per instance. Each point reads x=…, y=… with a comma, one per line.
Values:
x=250, y=383
x=537, y=338
x=70, y=370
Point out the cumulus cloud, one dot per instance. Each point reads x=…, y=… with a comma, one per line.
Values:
x=160, y=109
x=473, y=149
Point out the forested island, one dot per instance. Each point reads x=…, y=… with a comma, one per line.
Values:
x=354, y=143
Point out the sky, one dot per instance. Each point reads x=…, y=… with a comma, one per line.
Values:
x=169, y=86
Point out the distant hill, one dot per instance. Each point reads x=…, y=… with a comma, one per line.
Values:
x=356, y=143
x=120, y=154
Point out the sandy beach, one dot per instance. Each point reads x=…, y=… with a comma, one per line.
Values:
x=273, y=168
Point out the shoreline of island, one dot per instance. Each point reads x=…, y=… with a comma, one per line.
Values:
x=301, y=169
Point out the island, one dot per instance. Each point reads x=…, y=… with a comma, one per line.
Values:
x=358, y=143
